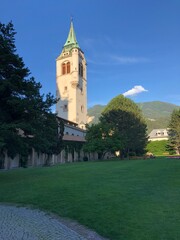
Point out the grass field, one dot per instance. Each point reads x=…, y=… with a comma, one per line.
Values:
x=128, y=200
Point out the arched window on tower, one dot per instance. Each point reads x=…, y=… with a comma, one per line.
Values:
x=66, y=68
x=80, y=69
x=63, y=68
x=82, y=108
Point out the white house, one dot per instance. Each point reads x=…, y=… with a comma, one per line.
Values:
x=158, y=134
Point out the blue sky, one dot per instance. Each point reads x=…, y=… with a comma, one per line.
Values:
x=132, y=47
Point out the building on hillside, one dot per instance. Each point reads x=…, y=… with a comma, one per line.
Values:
x=158, y=135
x=71, y=82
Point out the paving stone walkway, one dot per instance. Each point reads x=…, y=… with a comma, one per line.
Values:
x=20, y=223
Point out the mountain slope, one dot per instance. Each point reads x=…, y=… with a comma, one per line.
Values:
x=96, y=111
x=157, y=113
x=157, y=109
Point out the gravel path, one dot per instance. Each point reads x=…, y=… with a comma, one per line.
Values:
x=20, y=223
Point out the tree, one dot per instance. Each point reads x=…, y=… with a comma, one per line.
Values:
x=127, y=121
x=26, y=120
x=174, y=131
x=101, y=139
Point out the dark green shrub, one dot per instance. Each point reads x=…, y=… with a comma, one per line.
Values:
x=85, y=158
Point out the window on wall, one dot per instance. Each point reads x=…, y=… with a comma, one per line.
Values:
x=80, y=69
x=65, y=108
x=63, y=68
x=66, y=68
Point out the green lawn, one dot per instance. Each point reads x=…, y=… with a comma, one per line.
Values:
x=128, y=200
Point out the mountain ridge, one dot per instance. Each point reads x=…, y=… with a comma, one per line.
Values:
x=156, y=113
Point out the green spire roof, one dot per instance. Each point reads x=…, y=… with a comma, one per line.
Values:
x=71, y=41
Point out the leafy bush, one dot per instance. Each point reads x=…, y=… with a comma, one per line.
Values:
x=157, y=147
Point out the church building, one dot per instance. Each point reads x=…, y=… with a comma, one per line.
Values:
x=71, y=83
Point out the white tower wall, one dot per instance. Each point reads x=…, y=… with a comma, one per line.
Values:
x=72, y=85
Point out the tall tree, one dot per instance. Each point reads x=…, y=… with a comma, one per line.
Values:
x=26, y=120
x=127, y=121
x=174, y=131
x=101, y=139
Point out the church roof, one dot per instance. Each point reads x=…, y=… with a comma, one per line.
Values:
x=71, y=41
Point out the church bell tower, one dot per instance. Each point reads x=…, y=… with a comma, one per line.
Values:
x=71, y=82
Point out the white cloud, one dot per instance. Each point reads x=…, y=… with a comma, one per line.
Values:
x=116, y=60
x=129, y=60
x=134, y=91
